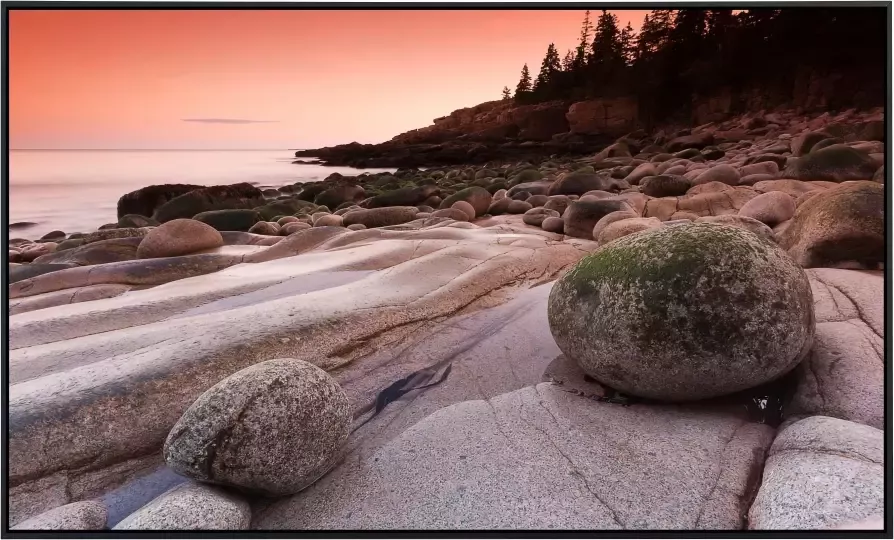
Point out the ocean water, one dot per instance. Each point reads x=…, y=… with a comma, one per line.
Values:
x=78, y=190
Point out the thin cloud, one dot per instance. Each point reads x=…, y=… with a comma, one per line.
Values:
x=227, y=121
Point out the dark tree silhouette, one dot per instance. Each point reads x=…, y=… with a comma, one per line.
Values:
x=507, y=94
x=681, y=54
x=523, y=88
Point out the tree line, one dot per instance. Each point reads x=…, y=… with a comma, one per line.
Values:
x=680, y=53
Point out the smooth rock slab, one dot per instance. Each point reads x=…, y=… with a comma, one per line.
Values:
x=544, y=458
x=843, y=376
x=821, y=472
x=79, y=516
x=191, y=507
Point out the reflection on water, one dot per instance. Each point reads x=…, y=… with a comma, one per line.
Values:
x=77, y=191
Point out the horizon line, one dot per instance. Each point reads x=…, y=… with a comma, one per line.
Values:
x=155, y=149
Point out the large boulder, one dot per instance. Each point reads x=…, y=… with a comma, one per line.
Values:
x=178, y=237
x=191, y=506
x=273, y=428
x=821, y=472
x=581, y=216
x=229, y=220
x=145, y=201
x=242, y=195
x=380, y=217
x=477, y=196
x=684, y=313
x=836, y=163
x=78, y=516
x=578, y=183
x=845, y=224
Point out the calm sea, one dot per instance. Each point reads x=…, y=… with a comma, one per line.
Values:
x=78, y=190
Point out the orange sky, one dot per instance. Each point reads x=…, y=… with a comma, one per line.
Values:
x=129, y=79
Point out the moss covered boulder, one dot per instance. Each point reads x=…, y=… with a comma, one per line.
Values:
x=229, y=220
x=408, y=196
x=841, y=225
x=836, y=163
x=684, y=313
x=242, y=195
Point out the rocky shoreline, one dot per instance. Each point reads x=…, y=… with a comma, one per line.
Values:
x=659, y=331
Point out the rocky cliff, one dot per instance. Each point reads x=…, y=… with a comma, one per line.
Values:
x=503, y=130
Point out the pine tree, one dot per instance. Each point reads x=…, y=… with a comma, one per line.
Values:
x=628, y=44
x=580, y=57
x=606, y=48
x=507, y=94
x=548, y=69
x=524, y=84
x=568, y=61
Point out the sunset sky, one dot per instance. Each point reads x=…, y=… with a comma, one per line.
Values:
x=294, y=79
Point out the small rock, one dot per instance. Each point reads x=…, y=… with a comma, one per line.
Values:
x=329, y=220
x=553, y=225
x=453, y=213
x=665, y=185
x=771, y=208
x=136, y=220
x=381, y=217
x=582, y=216
x=518, y=207
x=54, y=235
x=466, y=209
x=264, y=227
x=293, y=227
x=535, y=216
x=723, y=173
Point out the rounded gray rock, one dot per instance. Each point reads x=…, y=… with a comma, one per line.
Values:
x=684, y=313
x=273, y=428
